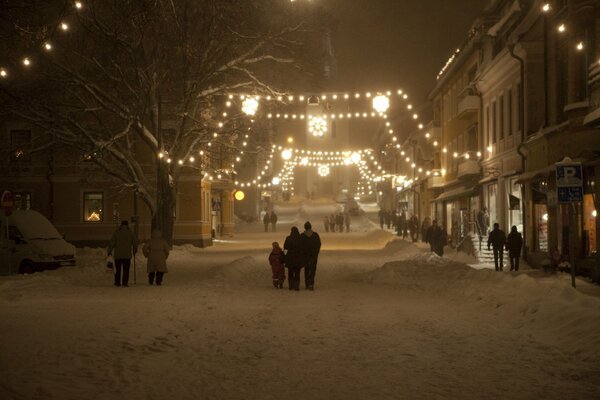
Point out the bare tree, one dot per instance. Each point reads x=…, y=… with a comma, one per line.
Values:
x=128, y=66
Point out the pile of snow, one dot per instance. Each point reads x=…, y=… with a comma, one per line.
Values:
x=547, y=305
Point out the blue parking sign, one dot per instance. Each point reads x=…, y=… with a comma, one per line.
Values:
x=569, y=182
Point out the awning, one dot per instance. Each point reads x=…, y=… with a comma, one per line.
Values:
x=454, y=193
x=539, y=173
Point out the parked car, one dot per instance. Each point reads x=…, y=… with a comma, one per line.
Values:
x=29, y=243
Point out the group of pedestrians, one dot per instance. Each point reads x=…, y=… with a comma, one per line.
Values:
x=302, y=252
x=498, y=241
x=270, y=218
x=124, y=245
x=336, y=222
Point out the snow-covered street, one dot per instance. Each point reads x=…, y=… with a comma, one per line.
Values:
x=387, y=320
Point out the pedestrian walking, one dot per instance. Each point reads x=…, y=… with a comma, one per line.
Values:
x=424, y=227
x=483, y=222
x=293, y=258
x=381, y=215
x=332, y=223
x=340, y=222
x=403, y=225
x=267, y=221
x=156, y=250
x=414, y=228
x=388, y=218
x=273, y=219
x=311, y=245
x=347, y=221
x=326, y=223
x=437, y=238
x=277, y=262
x=497, y=239
x=514, y=244
x=124, y=244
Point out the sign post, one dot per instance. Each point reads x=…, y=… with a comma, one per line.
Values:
x=569, y=190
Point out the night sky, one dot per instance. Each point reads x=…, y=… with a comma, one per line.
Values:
x=403, y=43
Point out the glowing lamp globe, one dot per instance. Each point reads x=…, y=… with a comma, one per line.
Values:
x=250, y=106
x=355, y=157
x=381, y=103
x=239, y=195
x=276, y=181
x=317, y=126
x=286, y=154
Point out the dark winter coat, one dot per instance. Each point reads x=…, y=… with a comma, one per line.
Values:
x=497, y=239
x=436, y=237
x=295, y=255
x=311, y=244
x=123, y=242
x=266, y=219
x=514, y=244
x=277, y=268
x=273, y=218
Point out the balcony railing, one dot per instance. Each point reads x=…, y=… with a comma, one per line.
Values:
x=469, y=165
x=435, y=180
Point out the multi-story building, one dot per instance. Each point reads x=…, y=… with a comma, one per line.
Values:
x=85, y=203
x=528, y=77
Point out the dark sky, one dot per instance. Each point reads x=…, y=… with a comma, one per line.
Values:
x=398, y=43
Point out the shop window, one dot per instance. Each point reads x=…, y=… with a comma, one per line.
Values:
x=22, y=200
x=93, y=207
x=491, y=201
x=20, y=145
x=515, y=204
x=541, y=227
x=589, y=225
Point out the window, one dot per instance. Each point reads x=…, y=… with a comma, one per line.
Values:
x=509, y=97
x=93, y=207
x=518, y=107
x=333, y=129
x=501, y=117
x=493, y=130
x=22, y=200
x=20, y=145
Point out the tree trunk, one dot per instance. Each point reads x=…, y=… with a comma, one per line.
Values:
x=164, y=216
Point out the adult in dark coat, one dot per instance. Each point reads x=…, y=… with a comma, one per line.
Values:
x=339, y=221
x=266, y=221
x=414, y=228
x=403, y=225
x=124, y=244
x=294, y=258
x=436, y=237
x=311, y=245
x=381, y=215
x=273, y=219
x=497, y=239
x=424, y=228
x=514, y=244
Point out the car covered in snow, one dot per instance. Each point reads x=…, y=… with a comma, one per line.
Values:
x=29, y=243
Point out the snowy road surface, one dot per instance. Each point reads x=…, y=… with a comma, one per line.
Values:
x=387, y=321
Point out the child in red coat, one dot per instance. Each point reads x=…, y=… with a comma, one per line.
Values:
x=277, y=267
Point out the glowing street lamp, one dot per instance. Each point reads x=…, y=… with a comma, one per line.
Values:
x=286, y=154
x=381, y=103
x=250, y=106
x=239, y=195
x=276, y=181
x=355, y=157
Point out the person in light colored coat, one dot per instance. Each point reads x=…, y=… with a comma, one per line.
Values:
x=157, y=251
